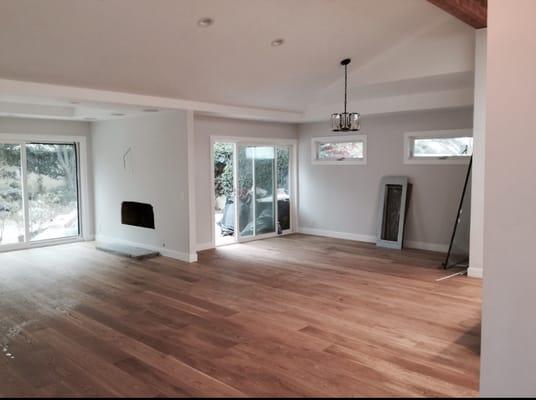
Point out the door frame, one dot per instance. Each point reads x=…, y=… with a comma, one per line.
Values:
x=293, y=174
x=84, y=217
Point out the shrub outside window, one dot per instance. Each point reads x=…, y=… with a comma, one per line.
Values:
x=339, y=150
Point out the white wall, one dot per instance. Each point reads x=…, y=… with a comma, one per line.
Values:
x=156, y=172
x=476, y=257
x=204, y=128
x=508, y=321
x=343, y=200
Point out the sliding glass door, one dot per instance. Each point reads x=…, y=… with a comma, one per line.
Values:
x=39, y=196
x=245, y=193
x=52, y=190
x=263, y=190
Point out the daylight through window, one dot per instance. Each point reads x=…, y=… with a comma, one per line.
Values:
x=343, y=149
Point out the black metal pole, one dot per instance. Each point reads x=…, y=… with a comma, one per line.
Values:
x=445, y=264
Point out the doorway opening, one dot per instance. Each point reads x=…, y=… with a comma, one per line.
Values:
x=224, y=193
x=253, y=190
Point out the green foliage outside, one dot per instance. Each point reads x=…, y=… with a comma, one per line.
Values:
x=223, y=170
x=10, y=186
x=282, y=167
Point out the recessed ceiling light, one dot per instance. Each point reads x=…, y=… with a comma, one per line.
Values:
x=117, y=114
x=151, y=110
x=205, y=22
x=277, y=42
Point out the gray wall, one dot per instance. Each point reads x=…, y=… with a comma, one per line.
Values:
x=204, y=128
x=44, y=126
x=156, y=173
x=344, y=199
x=508, y=320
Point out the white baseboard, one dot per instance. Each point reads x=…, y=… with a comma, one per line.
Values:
x=204, y=246
x=338, y=235
x=178, y=255
x=475, y=272
x=372, y=239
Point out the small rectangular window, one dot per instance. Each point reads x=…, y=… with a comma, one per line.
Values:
x=339, y=150
x=438, y=147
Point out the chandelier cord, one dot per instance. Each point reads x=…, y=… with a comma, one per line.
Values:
x=345, y=86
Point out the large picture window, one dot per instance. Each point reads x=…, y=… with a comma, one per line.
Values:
x=39, y=195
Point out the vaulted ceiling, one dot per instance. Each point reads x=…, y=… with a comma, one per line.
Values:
x=401, y=50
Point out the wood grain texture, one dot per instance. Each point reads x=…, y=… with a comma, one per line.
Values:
x=291, y=316
x=472, y=12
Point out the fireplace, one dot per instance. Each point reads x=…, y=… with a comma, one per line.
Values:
x=137, y=214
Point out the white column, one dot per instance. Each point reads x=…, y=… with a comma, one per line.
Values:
x=476, y=251
x=508, y=319
x=192, y=222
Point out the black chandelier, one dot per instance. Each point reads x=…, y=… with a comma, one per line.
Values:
x=344, y=122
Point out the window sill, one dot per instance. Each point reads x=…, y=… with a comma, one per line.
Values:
x=341, y=162
x=438, y=161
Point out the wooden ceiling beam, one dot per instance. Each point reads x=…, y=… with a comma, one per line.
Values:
x=472, y=12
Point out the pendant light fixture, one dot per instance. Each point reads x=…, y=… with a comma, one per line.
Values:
x=345, y=121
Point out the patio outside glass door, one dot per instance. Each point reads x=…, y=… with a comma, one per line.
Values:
x=263, y=190
x=256, y=206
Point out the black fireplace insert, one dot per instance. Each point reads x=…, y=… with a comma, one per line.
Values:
x=137, y=214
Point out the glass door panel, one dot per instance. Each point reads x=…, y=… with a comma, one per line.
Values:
x=264, y=190
x=245, y=196
x=52, y=191
x=11, y=198
x=283, y=188
x=263, y=183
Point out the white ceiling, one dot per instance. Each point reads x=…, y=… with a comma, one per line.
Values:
x=154, y=47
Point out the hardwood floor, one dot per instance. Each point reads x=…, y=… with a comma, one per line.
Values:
x=291, y=316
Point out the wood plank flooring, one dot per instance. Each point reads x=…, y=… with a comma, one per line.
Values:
x=291, y=316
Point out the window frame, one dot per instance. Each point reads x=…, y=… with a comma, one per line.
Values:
x=315, y=141
x=84, y=216
x=409, y=140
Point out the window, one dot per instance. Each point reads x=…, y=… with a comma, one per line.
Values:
x=39, y=192
x=339, y=150
x=438, y=147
